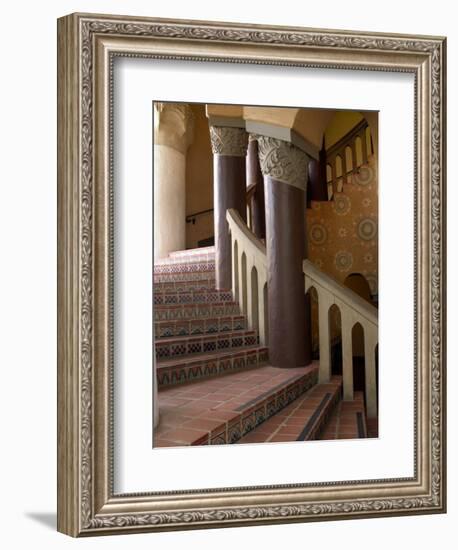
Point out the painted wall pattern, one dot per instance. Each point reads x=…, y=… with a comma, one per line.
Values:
x=343, y=233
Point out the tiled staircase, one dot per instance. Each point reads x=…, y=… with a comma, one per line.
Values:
x=214, y=382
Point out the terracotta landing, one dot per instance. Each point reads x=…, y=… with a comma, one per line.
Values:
x=301, y=420
x=348, y=420
x=224, y=409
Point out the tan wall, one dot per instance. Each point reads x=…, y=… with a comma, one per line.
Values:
x=341, y=123
x=199, y=180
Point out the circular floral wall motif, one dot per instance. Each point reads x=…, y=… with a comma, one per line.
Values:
x=368, y=258
x=342, y=204
x=318, y=234
x=367, y=229
x=364, y=175
x=343, y=260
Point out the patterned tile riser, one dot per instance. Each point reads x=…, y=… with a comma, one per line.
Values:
x=192, y=297
x=231, y=362
x=191, y=311
x=165, y=329
x=160, y=278
x=185, y=286
x=219, y=342
x=258, y=413
x=184, y=267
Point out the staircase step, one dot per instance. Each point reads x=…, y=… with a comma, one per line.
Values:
x=348, y=420
x=224, y=409
x=301, y=420
x=185, y=286
x=185, y=267
x=194, y=311
x=192, y=296
x=179, y=346
x=202, y=325
x=372, y=427
x=205, y=365
x=193, y=254
x=171, y=277
x=191, y=251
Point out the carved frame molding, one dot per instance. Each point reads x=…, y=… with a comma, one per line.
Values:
x=87, y=44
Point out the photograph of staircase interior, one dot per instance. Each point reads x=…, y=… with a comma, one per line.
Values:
x=265, y=274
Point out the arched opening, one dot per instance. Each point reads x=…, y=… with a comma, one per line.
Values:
x=359, y=284
x=369, y=148
x=359, y=366
x=329, y=178
x=335, y=334
x=235, y=260
x=254, y=298
x=266, y=313
x=349, y=163
x=314, y=322
x=359, y=151
x=244, y=285
x=328, y=173
x=339, y=173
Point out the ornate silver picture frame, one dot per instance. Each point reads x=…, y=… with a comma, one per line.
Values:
x=88, y=44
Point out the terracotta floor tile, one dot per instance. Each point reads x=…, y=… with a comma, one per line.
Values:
x=183, y=435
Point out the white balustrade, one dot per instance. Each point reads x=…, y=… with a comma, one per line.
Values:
x=353, y=310
x=249, y=277
x=249, y=269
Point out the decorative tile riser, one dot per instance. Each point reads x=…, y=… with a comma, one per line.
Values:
x=167, y=329
x=204, y=344
x=193, y=311
x=196, y=370
x=185, y=286
x=184, y=267
x=192, y=297
x=256, y=414
x=184, y=277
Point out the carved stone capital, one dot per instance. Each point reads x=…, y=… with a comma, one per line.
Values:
x=282, y=161
x=173, y=125
x=229, y=141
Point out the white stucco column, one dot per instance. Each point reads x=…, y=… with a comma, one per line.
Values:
x=370, y=342
x=173, y=133
x=261, y=311
x=347, y=355
x=324, y=303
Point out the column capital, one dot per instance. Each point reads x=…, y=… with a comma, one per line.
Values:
x=283, y=161
x=173, y=125
x=228, y=141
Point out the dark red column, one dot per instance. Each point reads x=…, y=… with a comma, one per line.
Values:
x=254, y=177
x=285, y=167
x=229, y=147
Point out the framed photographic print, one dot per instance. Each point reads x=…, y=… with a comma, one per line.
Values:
x=251, y=274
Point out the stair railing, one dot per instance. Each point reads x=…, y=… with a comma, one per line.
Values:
x=249, y=288
x=249, y=274
x=353, y=309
